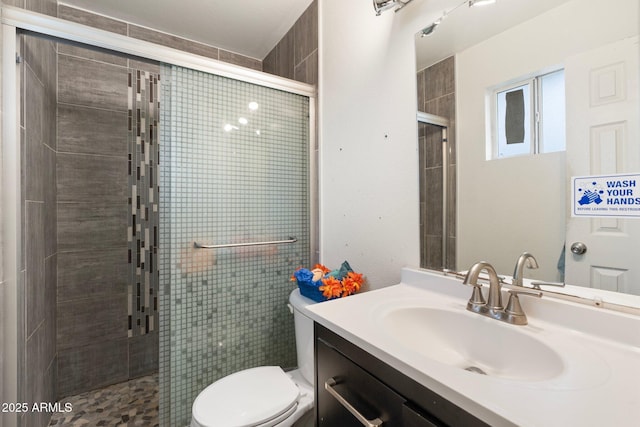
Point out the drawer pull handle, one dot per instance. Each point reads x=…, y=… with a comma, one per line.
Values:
x=328, y=385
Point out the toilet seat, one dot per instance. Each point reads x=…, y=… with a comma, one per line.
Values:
x=262, y=396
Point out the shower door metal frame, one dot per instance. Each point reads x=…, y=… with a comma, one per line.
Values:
x=443, y=123
x=15, y=20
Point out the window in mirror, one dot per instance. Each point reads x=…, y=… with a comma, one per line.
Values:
x=528, y=116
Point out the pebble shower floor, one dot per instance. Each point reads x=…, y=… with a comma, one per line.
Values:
x=131, y=403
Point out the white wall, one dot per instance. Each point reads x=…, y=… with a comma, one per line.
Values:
x=368, y=138
x=511, y=205
x=367, y=90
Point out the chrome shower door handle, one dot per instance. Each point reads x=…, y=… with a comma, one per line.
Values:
x=578, y=248
x=329, y=384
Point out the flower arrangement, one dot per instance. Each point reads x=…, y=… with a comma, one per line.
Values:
x=321, y=284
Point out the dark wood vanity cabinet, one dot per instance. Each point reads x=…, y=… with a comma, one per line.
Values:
x=347, y=376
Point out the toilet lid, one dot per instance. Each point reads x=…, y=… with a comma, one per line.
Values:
x=246, y=398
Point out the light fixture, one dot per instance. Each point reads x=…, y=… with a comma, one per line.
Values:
x=253, y=106
x=243, y=120
x=381, y=5
x=429, y=29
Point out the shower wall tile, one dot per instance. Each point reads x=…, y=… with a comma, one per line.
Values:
x=92, y=20
x=143, y=354
x=49, y=295
x=92, y=131
x=84, y=226
x=34, y=259
x=296, y=55
x=50, y=202
x=146, y=65
x=40, y=54
x=280, y=61
x=33, y=167
x=91, y=83
x=46, y=7
x=306, y=34
x=241, y=60
x=34, y=103
x=94, y=206
x=307, y=70
x=172, y=41
x=36, y=350
x=420, y=84
x=92, y=273
x=101, y=55
x=92, y=366
x=147, y=34
x=83, y=322
x=88, y=178
x=439, y=79
x=39, y=377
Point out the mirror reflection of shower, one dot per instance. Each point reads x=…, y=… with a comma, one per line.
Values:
x=435, y=194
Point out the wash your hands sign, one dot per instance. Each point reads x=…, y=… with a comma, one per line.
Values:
x=606, y=196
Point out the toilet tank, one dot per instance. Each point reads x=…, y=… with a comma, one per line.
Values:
x=304, y=333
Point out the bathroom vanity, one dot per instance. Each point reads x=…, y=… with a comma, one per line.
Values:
x=412, y=355
x=347, y=376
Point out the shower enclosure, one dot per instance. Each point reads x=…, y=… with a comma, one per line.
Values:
x=437, y=195
x=234, y=221
x=220, y=211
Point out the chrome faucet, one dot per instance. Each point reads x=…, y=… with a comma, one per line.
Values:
x=518, y=272
x=493, y=308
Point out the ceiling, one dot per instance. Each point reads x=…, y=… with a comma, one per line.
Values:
x=248, y=27
x=465, y=26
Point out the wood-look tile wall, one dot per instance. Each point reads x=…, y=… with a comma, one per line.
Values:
x=296, y=55
x=150, y=35
x=436, y=95
x=37, y=369
x=93, y=212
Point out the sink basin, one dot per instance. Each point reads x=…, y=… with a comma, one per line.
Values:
x=471, y=342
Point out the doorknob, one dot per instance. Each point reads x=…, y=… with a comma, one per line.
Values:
x=578, y=248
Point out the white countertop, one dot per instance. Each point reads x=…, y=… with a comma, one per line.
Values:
x=599, y=384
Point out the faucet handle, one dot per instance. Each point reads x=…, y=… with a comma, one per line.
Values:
x=513, y=305
x=476, y=297
x=536, y=285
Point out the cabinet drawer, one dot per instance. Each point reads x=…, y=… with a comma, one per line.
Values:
x=366, y=394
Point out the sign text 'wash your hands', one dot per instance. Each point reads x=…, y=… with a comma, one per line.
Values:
x=606, y=196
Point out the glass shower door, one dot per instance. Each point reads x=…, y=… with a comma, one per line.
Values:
x=234, y=225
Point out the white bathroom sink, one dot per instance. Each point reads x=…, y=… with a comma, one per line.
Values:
x=471, y=342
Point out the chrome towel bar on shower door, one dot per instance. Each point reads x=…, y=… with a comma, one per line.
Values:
x=235, y=245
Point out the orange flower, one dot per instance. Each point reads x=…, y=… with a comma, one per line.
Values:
x=352, y=283
x=331, y=287
x=324, y=269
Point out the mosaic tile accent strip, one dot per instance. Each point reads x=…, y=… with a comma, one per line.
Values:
x=143, y=237
x=235, y=168
x=131, y=403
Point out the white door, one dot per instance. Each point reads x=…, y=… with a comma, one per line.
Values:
x=603, y=138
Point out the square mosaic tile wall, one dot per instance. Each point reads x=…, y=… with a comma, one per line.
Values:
x=234, y=169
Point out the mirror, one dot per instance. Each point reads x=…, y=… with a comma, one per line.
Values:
x=506, y=206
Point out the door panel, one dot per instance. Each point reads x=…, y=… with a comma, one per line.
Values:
x=602, y=138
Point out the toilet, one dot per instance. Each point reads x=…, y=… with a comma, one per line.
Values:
x=265, y=396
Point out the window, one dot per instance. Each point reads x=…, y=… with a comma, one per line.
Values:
x=528, y=116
